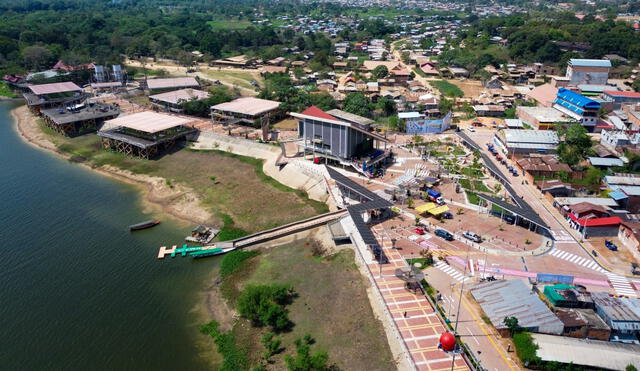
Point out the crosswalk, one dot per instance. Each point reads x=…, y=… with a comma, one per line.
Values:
x=451, y=272
x=572, y=258
x=561, y=236
x=621, y=285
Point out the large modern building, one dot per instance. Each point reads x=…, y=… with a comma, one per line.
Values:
x=337, y=139
x=588, y=71
x=57, y=94
x=578, y=107
x=620, y=97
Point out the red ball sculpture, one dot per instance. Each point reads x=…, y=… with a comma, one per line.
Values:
x=447, y=342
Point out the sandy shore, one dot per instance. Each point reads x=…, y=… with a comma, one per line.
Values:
x=177, y=201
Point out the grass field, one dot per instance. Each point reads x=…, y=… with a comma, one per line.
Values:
x=346, y=329
x=446, y=88
x=229, y=24
x=242, y=79
x=241, y=191
x=5, y=91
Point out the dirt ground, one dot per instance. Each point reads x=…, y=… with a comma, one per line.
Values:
x=347, y=329
x=621, y=258
x=471, y=88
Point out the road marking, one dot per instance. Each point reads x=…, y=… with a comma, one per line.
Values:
x=621, y=285
x=572, y=258
x=489, y=336
x=473, y=336
x=451, y=272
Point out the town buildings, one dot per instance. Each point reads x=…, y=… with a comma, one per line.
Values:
x=588, y=71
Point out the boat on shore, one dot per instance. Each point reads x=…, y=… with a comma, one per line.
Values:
x=210, y=252
x=144, y=225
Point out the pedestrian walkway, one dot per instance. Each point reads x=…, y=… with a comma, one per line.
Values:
x=572, y=258
x=415, y=318
x=562, y=237
x=446, y=268
x=621, y=285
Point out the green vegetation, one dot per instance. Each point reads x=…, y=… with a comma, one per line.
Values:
x=232, y=261
x=304, y=359
x=202, y=107
x=229, y=231
x=447, y=89
x=5, y=91
x=229, y=24
x=258, y=285
x=526, y=348
x=575, y=143
x=264, y=305
x=280, y=87
x=234, y=358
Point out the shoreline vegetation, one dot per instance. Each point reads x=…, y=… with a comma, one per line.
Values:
x=278, y=315
x=196, y=186
x=234, y=191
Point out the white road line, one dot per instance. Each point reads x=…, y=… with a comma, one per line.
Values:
x=473, y=336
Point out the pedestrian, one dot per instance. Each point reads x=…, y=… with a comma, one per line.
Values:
x=405, y=314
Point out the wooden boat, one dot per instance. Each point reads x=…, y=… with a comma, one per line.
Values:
x=144, y=225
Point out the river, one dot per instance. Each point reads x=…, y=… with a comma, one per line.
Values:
x=78, y=290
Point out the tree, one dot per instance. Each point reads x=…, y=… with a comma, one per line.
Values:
x=357, y=104
x=445, y=105
x=305, y=360
x=575, y=144
x=406, y=57
x=264, y=305
x=386, y=105
x=36, y=56
x=380, y=72
x=512, y=325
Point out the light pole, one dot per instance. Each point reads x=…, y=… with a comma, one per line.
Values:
x=584, y=228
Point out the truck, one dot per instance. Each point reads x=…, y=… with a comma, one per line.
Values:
x=435, y=196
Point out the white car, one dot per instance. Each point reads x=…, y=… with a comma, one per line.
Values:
x=471, y=129
x=472, y=236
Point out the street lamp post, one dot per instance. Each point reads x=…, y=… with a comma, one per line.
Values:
x=584, y=228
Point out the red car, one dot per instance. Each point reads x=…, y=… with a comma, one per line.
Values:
x=420, y=231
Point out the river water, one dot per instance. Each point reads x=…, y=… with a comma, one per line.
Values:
x=78, y=291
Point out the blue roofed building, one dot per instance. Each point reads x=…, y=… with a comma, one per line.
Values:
x=588, y=71
x=578, y=107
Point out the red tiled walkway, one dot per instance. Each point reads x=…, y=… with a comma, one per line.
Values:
x=422, y=327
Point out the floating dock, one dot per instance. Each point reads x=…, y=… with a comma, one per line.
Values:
x=192, y=251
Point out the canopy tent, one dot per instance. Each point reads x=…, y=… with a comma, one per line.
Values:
x=438, y=210
x=426, y=207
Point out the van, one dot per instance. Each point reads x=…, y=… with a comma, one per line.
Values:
x=444, y=234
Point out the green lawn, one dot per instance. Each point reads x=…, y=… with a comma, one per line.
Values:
x=229, y=24
x=242, y=79
x=446, y=88
x=5, y=91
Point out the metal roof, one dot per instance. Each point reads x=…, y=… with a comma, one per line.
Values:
x=590, y=63
x=571, y=100
x=174, y=82
x=175, y=96
x=616, y=309
x=622, y=180
x=586, y=352
x=512, y=298
x=409, y=115
x=592, y=200
x=547, y=137
x=513, y=123
x=248, y=106
x=149, y=122
x=54, y=88
x=525, y=211
x=347, y=116
x=618, y=195
x=605, y=161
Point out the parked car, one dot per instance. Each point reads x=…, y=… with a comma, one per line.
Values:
x=444, y=234
x=509, y=219
x=472, y=236
x=471, y=129
x=514, y=172
x=447, y=215
x=420, y=231
x=610, y=245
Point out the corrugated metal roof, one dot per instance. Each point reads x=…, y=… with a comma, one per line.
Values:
x=605, y=161
x=578, y=100
x=531, y=136
x=616, y=308
x=512, y=298
x=586, y=352
x=54, y=88
x=173, y=82
x=590, y=62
